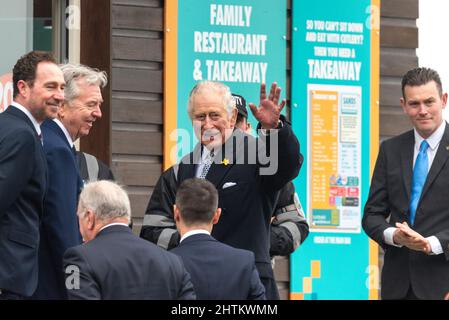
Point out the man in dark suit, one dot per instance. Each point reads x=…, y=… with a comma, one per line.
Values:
x=114, y=263
x=59, y=228
x=218, y=271
x=38, y=93
x=409, y=186
x=248, y=181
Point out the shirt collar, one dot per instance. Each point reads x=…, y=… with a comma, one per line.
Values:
x=113, y=224
x=29, y=115
x=193, y=232
x=434, y=139
x=66, y=133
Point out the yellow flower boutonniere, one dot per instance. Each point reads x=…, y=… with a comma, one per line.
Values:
x=225, y=162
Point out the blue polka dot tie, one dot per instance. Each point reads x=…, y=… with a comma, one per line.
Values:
x=419, y=178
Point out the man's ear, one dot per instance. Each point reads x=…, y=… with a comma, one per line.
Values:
x=403, y=104
x=216, y=216
x=90, y=215
x=62, y=109
x=23, y=87
x=176, y=213
x=233, y=118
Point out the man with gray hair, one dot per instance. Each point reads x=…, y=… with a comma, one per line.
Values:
x=59, y=228
x=233, y=162
x=114, y=263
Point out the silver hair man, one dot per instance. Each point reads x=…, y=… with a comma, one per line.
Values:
x=228, y=99
x=91, y=76
x=106, y=199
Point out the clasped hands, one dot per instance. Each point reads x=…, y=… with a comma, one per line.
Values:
x=408, y=237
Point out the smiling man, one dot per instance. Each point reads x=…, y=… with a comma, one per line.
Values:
x=247, y=194
x=38, y=93
x=59, y=228
x=410, y=187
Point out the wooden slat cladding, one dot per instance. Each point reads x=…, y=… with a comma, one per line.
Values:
x=137, y=80
x=137, y=173
x=137, y=56
x=139, y=204
x=137, y=17
x=400, y=8
x=390, y=92
x=136, y=110
x=140, y=3
x=137, y=142
x=130, y=48
x=394, y=62
x=398, y=33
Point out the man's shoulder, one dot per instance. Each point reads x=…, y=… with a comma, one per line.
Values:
x=399, y=140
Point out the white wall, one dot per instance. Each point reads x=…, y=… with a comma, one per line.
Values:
x=433, y=51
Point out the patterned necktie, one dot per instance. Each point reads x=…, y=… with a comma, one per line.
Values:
x=206, y=165
x=419, y=177
x=40, y=138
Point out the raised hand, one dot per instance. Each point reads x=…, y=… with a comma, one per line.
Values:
x=269, y=108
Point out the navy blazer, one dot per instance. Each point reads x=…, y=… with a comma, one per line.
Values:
x=389, y=197
x=119, y=265
x=59, y=228
x=248, y=203
x=23, y=183
x=219, y=271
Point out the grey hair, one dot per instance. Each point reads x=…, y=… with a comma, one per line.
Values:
x=106, y=199
x=218, y=87
x=74, y=72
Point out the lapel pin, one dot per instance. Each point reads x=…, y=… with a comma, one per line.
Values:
x=225, y=162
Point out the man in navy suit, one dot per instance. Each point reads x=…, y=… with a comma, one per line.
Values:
x=38, y=93
x=248, y=181
x=218, y=271
x=59, y=229
x=114, y=263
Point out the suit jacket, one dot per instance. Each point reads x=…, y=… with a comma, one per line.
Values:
x=247, y=195
x=389, y=195
x=23, y=183
x=219, y=271
x=119, y=265
x=59, y=228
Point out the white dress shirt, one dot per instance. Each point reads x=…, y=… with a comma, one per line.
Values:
x=192, y=232
x=434, y=142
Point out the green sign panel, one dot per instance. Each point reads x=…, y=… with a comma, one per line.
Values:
x=331, y=115
x=241, y=43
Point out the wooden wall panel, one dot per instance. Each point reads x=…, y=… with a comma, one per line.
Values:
x=394, y=62
x=137, y=48
x=137, y=142
x=137, y=80
x=137, y=173
x=400, y=8
x=137, y=111
x=398, y=36
x=137, y=17
x=137, y=54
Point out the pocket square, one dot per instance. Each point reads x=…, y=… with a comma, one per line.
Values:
x=228, y=185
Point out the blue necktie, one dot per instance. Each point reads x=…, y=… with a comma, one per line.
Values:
x=419, y=177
